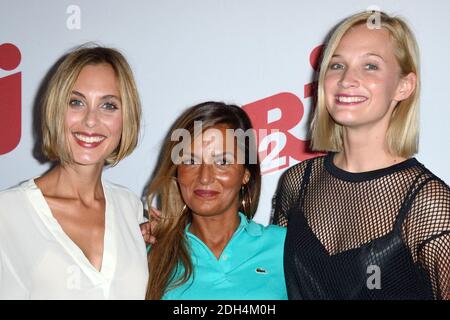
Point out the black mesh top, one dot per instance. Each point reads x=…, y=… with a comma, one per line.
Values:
x=383, y=234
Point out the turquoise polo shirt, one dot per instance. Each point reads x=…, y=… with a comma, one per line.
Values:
x=250, y=267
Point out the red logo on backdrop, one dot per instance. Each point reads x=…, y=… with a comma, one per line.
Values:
x=10, y=98
x=274, y=116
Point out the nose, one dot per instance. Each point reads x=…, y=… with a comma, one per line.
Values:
x=349, y=79
x=206, y=174
x=90, y=118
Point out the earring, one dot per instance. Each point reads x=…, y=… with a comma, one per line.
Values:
x=243, y=196
x=246, y=200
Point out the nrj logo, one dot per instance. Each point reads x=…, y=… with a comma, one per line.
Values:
x=10, y=98
x=277, y=115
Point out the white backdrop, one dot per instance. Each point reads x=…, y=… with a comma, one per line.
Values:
x=237, y=51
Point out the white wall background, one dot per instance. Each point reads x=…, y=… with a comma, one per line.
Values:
x=238, y=51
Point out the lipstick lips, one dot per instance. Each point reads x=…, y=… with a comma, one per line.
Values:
x=349, y=100
x=88, y=140
x=206, y=193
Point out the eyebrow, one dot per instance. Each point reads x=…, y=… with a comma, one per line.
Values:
x=224, y=154
x=365, y=55
x=373, y=54
x=108, y=96
x=193, y=155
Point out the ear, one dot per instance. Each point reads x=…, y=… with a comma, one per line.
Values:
x=406, y=87
x=246, y=177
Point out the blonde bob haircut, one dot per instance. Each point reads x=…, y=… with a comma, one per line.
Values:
x=56, y=98
x=403, y=132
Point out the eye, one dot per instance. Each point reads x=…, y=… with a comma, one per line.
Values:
x=110, y=106
x=189, y=162
x=371, y=66
x=223, y=161
x=75, y=103
x=336, y=66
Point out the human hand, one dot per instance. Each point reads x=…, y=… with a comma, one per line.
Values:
x=148, y=227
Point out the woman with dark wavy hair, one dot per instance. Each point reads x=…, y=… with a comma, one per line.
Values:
x=208, y=185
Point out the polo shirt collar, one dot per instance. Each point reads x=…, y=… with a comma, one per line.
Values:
x=250, y=227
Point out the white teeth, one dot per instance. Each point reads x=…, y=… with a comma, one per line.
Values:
x=89, y=139
x=350, y=99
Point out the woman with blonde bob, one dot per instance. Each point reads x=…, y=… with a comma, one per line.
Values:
x=366, y=221
x=207, y=246
x=69, y=234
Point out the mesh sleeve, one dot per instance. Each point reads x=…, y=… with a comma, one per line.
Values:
x=428, y=234
x=287, y=193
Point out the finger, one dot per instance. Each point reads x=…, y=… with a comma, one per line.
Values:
x=145, y=228
x=149, y=240
x=155, y=213
x=152, y=227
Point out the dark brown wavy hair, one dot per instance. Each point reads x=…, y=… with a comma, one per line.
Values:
x=171, y=250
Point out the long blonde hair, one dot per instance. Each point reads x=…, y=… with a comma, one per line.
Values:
x=403, y=132
x=171, y=251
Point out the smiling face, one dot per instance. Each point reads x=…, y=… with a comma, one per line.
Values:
x=93, y=122
x=363, y=82
x=210, y=178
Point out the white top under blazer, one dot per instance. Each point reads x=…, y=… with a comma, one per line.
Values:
x=39, y=261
